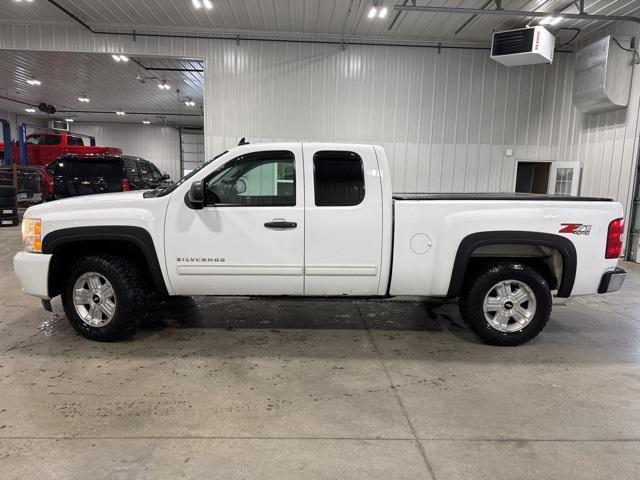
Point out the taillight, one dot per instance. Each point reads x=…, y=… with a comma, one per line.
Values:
x=50, y=185
x=126, y=186
x=614, y=238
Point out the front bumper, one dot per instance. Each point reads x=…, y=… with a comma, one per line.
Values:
x=32, y=269
x=612, y=280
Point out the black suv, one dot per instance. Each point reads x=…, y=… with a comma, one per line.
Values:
x=89, y=174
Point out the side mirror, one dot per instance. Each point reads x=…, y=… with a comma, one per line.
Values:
x=165, y=176
x=196, y=196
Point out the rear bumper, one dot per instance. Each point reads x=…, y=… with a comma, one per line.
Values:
x=32, y=269
x=612, y=280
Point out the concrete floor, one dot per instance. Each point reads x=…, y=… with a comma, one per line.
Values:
x=242, y=388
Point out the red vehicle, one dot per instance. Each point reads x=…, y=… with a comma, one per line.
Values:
x=44, y=148
x=35, y=183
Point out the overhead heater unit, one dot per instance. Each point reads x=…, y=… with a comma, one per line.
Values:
x=524, y=46
x=58, y=125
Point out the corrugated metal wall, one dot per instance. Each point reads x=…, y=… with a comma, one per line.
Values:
x=446, y=118
x=158, y=144
x=11, y=117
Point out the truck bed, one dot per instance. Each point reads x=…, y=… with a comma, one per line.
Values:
x=495, y=196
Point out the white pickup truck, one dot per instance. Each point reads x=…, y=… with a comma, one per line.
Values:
x=313, y=219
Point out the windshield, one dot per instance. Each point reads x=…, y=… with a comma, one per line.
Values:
x=173, y=186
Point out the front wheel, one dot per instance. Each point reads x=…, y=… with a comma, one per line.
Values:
x=104, y=297
x=506, y=304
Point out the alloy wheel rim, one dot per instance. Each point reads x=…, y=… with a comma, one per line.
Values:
x=509, y=306
x=94, y=299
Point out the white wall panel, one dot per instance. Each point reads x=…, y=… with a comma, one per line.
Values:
x=445, y=118
x=158, y=144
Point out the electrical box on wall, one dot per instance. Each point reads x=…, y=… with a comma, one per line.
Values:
x=524, y=46
x=602, y=77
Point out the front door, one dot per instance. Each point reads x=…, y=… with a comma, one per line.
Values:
x=249, y=237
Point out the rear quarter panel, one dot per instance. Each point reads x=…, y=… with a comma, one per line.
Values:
x=427, y=235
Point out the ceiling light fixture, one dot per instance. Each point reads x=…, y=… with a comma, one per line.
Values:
x=378, y=10
x=30, y=110
x=33, y=81
x=190, y=103
x=207, y=4
x=84, y=99
x=146, y=122
x=196, y=4
x=119, y=112
x=68, y=120
x=120, y=58
x=164, y=85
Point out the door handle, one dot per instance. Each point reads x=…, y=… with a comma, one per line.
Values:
x=280, y=225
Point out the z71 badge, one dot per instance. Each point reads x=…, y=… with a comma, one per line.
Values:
x=575, y=228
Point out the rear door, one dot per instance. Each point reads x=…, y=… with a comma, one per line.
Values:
x=343, y=217
x=133, y=173
x=150, y=174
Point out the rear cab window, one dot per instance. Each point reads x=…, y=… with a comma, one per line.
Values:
x=338, y=178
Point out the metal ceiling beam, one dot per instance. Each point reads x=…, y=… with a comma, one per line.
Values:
x=472, y=18
x=515, y=13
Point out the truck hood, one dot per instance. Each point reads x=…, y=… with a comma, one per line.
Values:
x=83, y=203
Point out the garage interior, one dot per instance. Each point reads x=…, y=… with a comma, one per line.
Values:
x=244, y=387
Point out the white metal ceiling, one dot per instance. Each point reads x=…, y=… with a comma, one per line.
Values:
x=113, y=86
x=110, y=86
x=318, y=18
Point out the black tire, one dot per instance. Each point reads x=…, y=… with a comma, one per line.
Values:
x=129, y=290
x=481, y=284
x=9, y=221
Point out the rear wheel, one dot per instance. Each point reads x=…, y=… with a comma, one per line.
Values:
x=104, y=298
x=506, y=303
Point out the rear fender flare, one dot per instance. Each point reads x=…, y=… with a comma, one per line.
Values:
x=476, y=240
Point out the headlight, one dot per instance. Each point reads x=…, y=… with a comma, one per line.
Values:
x=31, y=235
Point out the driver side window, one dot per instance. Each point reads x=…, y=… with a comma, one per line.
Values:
x=256, y=179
